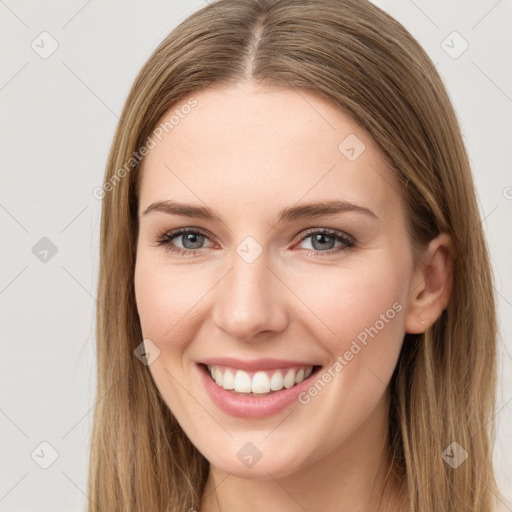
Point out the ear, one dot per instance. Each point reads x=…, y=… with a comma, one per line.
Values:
x=431, y=286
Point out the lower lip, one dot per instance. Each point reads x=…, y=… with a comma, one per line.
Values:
x=252, y=406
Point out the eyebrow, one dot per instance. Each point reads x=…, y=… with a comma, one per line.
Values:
x=304, y=211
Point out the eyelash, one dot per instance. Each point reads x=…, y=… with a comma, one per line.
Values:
x=348, y=242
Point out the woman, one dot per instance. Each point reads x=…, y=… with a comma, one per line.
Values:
x=244, y=364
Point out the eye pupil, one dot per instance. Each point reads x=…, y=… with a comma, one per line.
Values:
x=195, y=238
x=321, y=238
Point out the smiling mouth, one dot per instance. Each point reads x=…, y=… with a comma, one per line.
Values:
x=260, y=383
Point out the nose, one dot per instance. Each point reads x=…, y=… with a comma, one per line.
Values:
x=250, y=300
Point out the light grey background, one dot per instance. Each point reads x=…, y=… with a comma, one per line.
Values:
x=58, y=115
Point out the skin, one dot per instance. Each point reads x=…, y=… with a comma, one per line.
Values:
x=249, y=151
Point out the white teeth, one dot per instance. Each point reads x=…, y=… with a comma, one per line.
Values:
x=229, y=380
x=300, y=376
x=289, y=379
x=260, y=382
x=218, y=376
x=276, y=381
x=242, y=382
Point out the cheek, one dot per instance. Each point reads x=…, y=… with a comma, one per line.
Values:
x=165, y=297
x=151, y=296
x=350, y=300
x=165, y=300
x=363, y=306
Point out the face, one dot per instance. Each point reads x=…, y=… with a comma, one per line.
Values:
x=301, y=309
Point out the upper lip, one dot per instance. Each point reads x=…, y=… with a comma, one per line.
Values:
x=254, y=364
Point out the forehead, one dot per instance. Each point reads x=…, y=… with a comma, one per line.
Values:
x=244, y=143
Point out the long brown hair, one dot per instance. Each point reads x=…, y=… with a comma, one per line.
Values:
x=362, y=61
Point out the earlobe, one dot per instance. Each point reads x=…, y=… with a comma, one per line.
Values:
x=432, y=285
